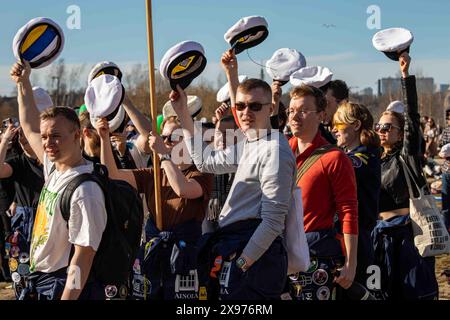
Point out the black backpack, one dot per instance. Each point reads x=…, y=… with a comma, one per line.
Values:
x=122, y=236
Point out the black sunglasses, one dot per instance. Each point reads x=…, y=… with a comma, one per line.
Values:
x=384, y=127
x=253, y=106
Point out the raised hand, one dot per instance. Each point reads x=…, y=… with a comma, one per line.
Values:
x=156, y=144
x=103, y=128
x=10, y=133
x=405, y=61
x=229, y=61
x=20, y=72
x=179, y=101
x=120, y=140
x=222, y=111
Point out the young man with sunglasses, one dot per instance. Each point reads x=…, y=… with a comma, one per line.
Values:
x=246, y=259
x=328, y=187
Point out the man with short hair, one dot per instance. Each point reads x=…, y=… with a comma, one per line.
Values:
x=59, y=247
x=336, y=92
x=328, y=187
x=246, y=257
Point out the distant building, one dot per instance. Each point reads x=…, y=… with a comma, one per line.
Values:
x=367, y=91
x=392, y=86
x=444, y=87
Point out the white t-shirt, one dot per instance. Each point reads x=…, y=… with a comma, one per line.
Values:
x=140, y=158
x=52, y=241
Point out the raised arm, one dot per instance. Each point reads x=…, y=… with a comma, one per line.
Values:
x=5, y=169
x=28, y=113
x=206, y=159
x=230, y=66
x=107, y=158
x=143, y=126
x=412, y=133
x=183, y=187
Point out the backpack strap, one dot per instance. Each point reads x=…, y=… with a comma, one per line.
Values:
x=313, y=157
x=73, y=184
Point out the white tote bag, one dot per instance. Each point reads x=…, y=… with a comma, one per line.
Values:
x=431, y=237
x=297, y=246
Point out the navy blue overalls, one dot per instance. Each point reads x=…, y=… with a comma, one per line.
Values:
x=18, y=246
x=326, y=257
x=166, y=266
x=405, y=275
x=223, y=280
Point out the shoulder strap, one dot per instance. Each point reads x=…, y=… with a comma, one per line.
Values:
x=316, y=155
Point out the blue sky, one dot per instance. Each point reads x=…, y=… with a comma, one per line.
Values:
x=116, y=30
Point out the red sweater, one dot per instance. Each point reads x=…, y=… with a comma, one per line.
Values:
x=328, y=187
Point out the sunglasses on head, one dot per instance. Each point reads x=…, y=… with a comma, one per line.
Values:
x=172, y=137
x=384, y=127
x=253, y=106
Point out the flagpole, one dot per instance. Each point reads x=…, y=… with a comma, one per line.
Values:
x=153, y=112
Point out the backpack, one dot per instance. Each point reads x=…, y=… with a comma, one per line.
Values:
x=122, y=235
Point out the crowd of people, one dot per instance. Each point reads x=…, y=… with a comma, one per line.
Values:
x=224, y=201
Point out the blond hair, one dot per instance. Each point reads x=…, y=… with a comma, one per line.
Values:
x=350, y=113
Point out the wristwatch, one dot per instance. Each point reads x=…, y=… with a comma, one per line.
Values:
x=165, y=157
x=241, y=263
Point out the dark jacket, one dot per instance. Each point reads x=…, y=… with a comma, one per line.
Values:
x=394, y=190
x=366, y=162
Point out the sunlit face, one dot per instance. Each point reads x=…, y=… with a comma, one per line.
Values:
x=346, y=134
x=304, y=119
x=60, y=138
x=251, y=119
x=392, y=136
x=171, y=135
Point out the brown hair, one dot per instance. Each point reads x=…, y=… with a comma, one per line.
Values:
x=398, y=116
x=252, y=84
x=349, y=113
x=65, y=112
x=85, y=120
x=305, y=91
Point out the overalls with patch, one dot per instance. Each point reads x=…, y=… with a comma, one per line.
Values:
x=18, y=244
x=223, y=280
x=326, y=257
x=166, y=266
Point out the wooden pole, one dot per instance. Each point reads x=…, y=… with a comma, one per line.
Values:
x=153, y=112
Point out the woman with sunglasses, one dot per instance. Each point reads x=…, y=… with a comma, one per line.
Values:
x=169, y=269
x=353, y=129
x=405, y=274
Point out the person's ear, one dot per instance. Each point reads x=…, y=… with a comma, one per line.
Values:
x=321, y=115
x=86, y=132
x=357, y=125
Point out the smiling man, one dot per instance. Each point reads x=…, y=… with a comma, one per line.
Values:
x=246, y=253
x=59, y=247
x=328, y=186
